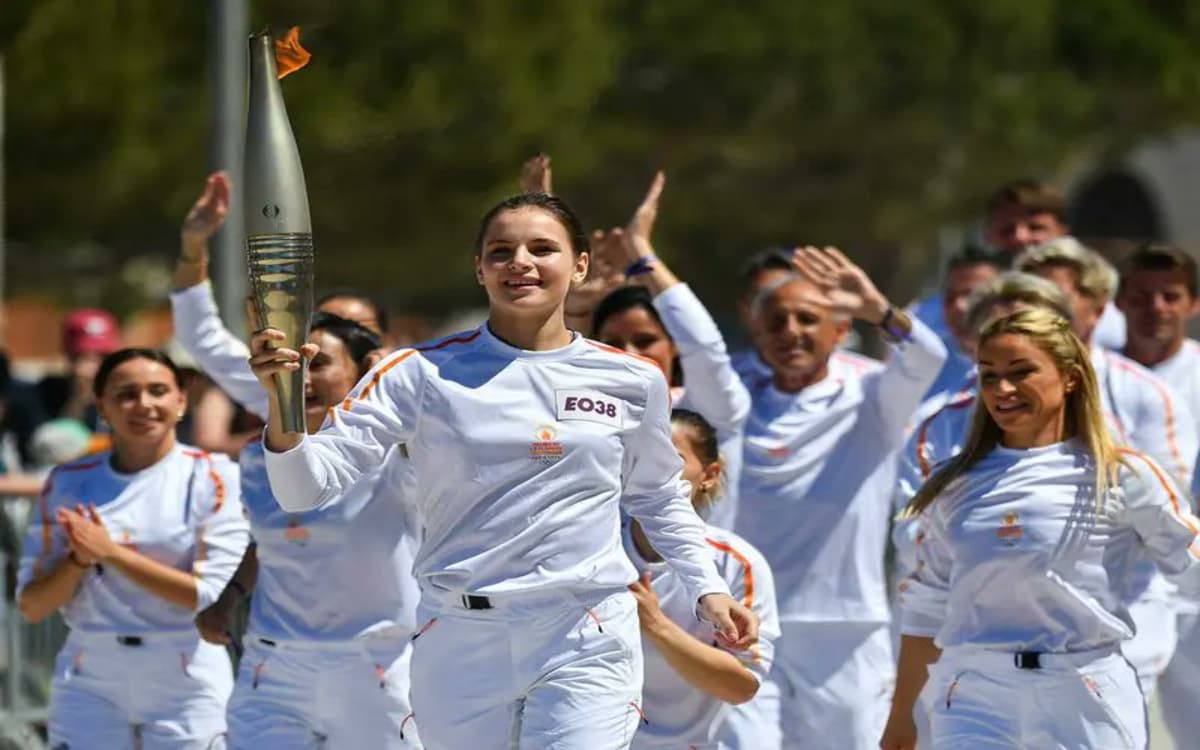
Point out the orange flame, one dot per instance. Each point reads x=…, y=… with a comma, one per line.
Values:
x=289, y=55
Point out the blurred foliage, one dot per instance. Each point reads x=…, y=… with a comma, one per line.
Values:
x=865, y=123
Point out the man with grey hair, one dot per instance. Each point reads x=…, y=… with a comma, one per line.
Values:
x=1144, y=412
x=817, y=477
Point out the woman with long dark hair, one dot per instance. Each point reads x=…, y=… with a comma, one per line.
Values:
x=130, y=544
x=525, y=441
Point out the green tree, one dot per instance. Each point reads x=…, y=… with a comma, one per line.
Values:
x=866, y=123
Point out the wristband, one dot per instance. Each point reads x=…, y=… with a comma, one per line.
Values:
x=890, y=329
x=641, y=266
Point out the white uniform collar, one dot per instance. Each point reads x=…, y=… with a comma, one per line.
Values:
x=489, y=339
x=814, y=397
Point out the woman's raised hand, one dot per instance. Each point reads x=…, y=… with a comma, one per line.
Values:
x=535, y=175
x=206, y=216
x=641, y=226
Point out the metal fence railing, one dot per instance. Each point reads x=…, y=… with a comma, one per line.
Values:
x=26, y=667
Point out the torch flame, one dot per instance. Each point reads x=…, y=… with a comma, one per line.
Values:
x=289, y=55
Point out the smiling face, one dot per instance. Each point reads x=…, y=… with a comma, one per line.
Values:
x=331, y=375
x=1023, y=390
x=526, y=262
x=636, y=331
x=1157, y=305
x=142, y=402
x=795, y=331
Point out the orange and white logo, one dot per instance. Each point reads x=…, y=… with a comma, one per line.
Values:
x=296, y=533
x=545, y=446
x=1011, y=531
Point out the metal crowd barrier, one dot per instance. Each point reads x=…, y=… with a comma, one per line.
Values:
x=27, y=666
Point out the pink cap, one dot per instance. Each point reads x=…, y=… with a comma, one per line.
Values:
x=90, y=331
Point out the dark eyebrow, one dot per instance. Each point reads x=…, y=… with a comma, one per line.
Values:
x=1018, y=361
x=540, y=240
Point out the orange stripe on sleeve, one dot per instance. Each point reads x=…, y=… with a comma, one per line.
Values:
x=748, y=572
x=615, y=350
x=366, y=391
x=218, y=483
x=1166, y=484
x=923, y=433
x=1172, y=444
x=400, y=357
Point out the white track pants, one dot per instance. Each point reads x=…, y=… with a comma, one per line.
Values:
x=547, y=672
x=835, y=681
x=168, y=692
x=980, y=700
x=754, y=725
x=302, y=695
x=1179, y=686
x=1151, y=648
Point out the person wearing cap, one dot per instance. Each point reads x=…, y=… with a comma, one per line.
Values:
x=88, y=335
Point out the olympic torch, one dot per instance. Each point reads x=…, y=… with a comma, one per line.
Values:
x=279, y=245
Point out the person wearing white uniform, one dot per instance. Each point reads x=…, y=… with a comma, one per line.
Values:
x=525, y=441
x=691, y=685
x=1143, y=412
x=939, y=435
x=1031, y=534
x=327, y=647
x=130, y=544
x=1157, y=293
x=197, y=322
x=333, y=602
x=817, y=479
x=1021, y=214
x=966, y=271
x=662, y=319
x=761, y=271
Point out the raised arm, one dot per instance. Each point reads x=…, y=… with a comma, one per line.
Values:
x=713, y=388
x=198, y=326
x=917, y=352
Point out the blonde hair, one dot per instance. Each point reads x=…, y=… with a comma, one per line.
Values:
x=1015, y=286
x=1084, y=416
x=1096, y=278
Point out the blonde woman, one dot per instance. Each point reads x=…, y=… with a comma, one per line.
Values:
x=1016, y=605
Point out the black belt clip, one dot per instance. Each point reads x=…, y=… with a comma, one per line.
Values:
x=129, y=640
x=471, y=601
x=1027, y=660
